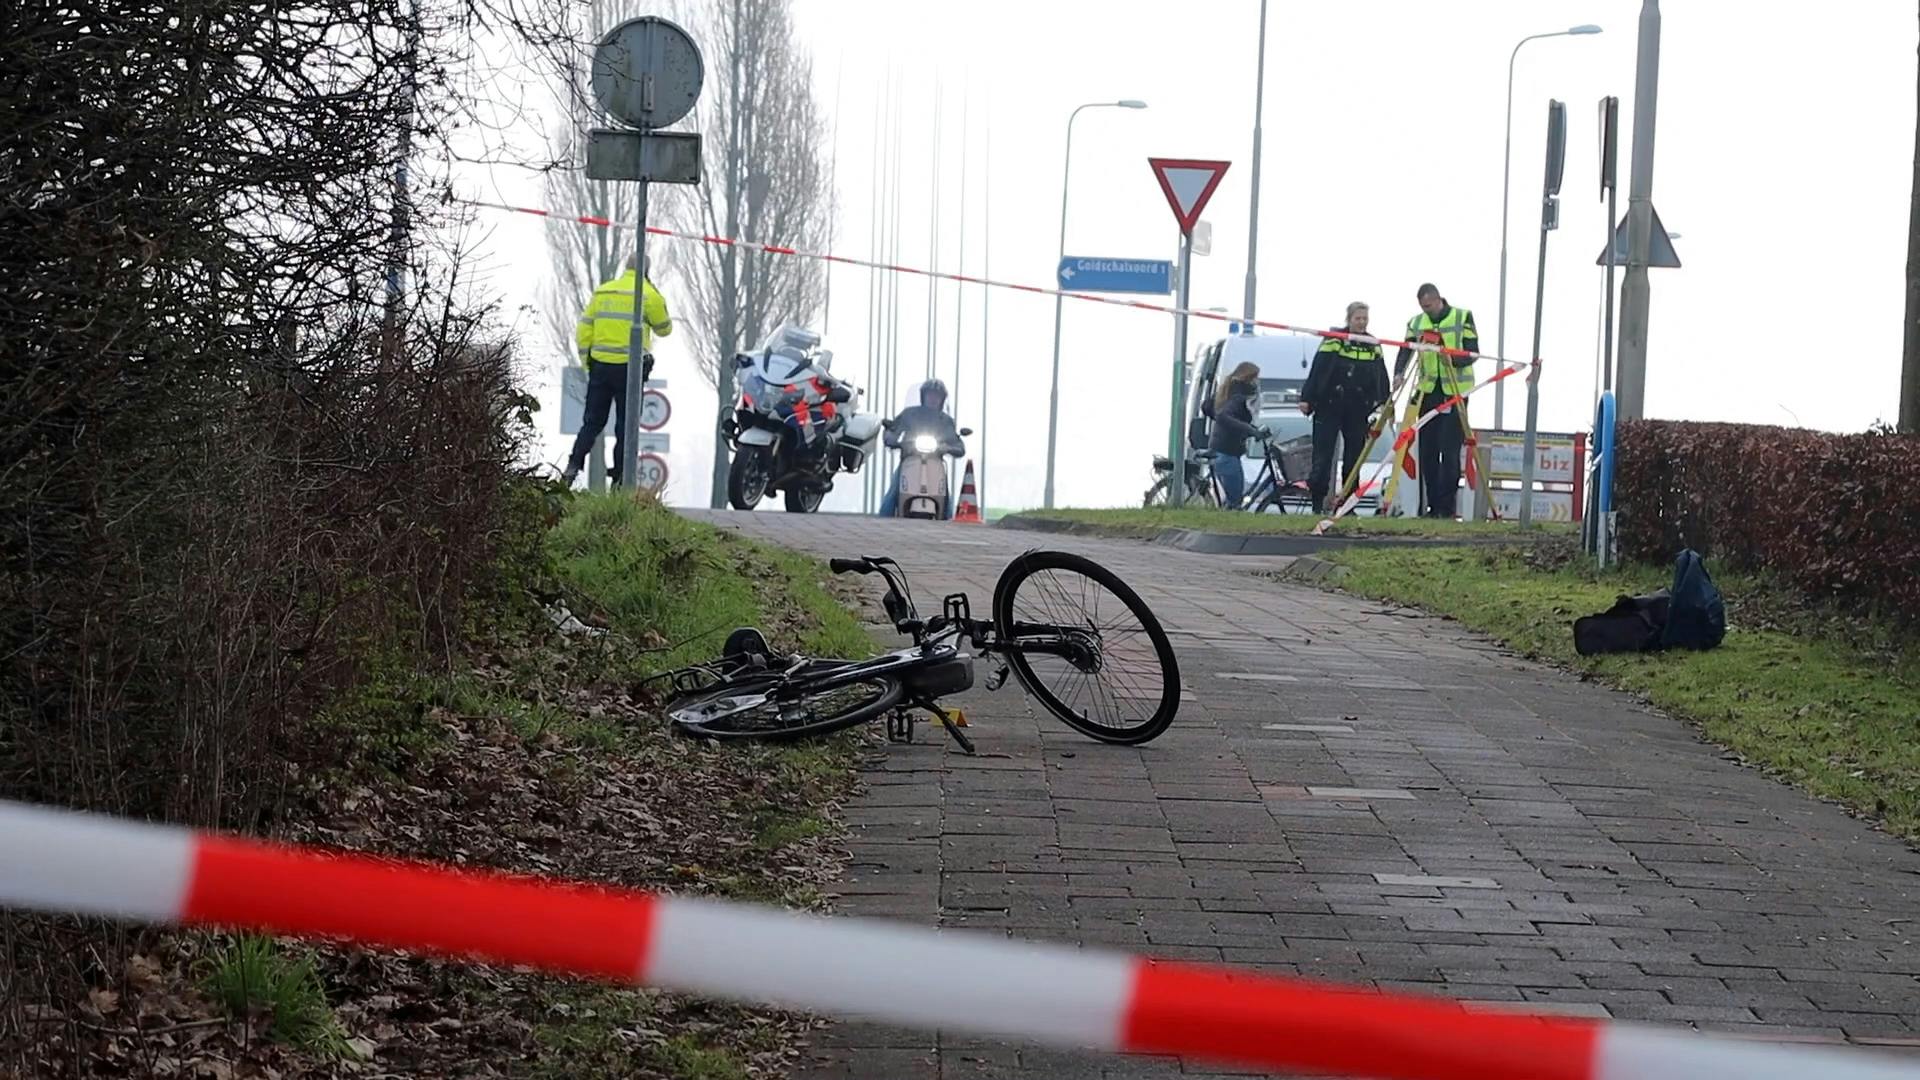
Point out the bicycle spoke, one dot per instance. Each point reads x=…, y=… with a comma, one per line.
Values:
x=1123, y=689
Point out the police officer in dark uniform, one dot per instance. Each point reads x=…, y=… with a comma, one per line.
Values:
x=1347, y=383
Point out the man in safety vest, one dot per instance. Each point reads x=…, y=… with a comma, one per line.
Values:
x=605, y=338
x=1441, y=378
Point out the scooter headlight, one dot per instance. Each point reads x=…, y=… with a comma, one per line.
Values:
x=925, y=444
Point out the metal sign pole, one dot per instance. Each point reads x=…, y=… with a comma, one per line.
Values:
x=1176, y=422
x=647, y=73
x=1549, y=221
x=636, y=340
x=1609, y=183
x=1187, y=184
x=597, y=466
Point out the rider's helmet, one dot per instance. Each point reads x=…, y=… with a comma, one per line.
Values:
x=936, y=390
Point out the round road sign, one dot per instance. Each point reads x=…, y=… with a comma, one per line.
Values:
x=654, y=410
x=653, y=473
x=647, y=72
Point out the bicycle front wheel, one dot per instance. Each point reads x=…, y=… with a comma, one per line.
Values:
x=1084, y=643
x=777, y=708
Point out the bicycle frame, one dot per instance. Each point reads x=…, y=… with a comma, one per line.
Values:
x=1267, y=480
x=956, y=621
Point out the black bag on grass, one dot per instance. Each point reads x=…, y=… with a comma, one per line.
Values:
x=1691, y=615
x=1632, y=624
x=1697, y=618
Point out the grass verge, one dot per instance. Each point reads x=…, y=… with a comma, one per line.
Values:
x=678, y=586
x=1143, y=522
x=544, y=751
x=1825, y=700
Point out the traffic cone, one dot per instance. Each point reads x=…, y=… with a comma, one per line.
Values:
x=967, y=511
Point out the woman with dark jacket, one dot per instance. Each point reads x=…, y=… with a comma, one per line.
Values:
x=1232, y=426
x=1347, y=383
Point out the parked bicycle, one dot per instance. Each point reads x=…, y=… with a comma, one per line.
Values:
x=1202, y=488
x=1281, y=483
x=1078, y=639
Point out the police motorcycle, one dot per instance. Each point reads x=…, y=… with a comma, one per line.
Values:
x=793, y=425
x=925, y=479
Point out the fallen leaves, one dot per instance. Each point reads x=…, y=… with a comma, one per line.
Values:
x=651, y=811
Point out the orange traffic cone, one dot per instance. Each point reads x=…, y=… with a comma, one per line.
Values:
x=967, y=511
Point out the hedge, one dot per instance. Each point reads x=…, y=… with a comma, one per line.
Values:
x=1837, y=516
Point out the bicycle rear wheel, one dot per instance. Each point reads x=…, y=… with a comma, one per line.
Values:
x=780, y=708
x=1087, y=646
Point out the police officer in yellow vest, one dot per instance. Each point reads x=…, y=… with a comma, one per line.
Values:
x=1441, y=377
x=1347, y=382
x=605, y=337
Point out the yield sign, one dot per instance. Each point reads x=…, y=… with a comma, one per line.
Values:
x=1188, y=186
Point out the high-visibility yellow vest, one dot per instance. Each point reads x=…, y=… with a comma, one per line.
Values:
x=1347, y=349
x=605, y=331
x=1437, y=370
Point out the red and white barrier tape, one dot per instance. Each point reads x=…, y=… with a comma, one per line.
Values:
x=939, y=275
x=63, y=862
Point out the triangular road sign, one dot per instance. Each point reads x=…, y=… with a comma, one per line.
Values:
x=1662, y=255
x=1188, y=185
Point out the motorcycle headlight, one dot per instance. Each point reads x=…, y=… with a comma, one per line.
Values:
x=925, y=444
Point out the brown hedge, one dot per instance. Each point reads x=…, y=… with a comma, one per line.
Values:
x=1838, y=516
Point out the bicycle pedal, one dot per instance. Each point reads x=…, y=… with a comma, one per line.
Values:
x=900, y=727
x=997, y=678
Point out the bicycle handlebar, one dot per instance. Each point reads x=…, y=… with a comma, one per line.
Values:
x=850, y=566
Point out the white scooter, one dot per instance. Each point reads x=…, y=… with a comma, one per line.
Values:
x=925, y=484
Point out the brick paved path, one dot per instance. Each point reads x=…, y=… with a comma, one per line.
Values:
x=1369, y=797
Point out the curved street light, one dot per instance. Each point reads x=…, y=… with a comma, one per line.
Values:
x=1053, y=398
x=1506, y=186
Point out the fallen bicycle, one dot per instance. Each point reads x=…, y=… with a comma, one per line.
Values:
x=1077, y=638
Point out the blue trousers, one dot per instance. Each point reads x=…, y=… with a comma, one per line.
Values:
x=1233, y=479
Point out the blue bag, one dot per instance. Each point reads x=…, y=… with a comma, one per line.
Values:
x=1697, y=615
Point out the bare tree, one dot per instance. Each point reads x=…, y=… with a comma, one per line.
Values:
x=765, y=179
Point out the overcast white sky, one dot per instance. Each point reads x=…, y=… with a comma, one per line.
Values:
x=1783, y=160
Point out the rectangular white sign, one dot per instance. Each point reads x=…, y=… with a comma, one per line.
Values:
x=1547, y=505
x=1554, y=462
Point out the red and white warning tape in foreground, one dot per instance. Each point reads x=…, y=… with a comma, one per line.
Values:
x=58, y=861
x=848, y=260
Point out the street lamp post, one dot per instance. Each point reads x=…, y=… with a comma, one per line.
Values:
x=1506, y=185
x=1053, y=398
x=1253, y=212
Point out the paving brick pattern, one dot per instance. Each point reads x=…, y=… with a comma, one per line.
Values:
x=1412, y=810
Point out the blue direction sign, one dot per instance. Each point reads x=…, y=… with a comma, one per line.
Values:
x=1083, y=273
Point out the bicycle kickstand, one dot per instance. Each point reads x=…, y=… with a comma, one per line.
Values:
x=946, y=721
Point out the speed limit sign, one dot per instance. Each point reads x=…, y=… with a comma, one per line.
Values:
x=653, y=473
x=654, y=410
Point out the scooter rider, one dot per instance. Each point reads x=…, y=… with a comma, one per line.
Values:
x=929, y=418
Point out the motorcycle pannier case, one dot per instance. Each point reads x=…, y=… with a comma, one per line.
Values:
x=862, y=428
